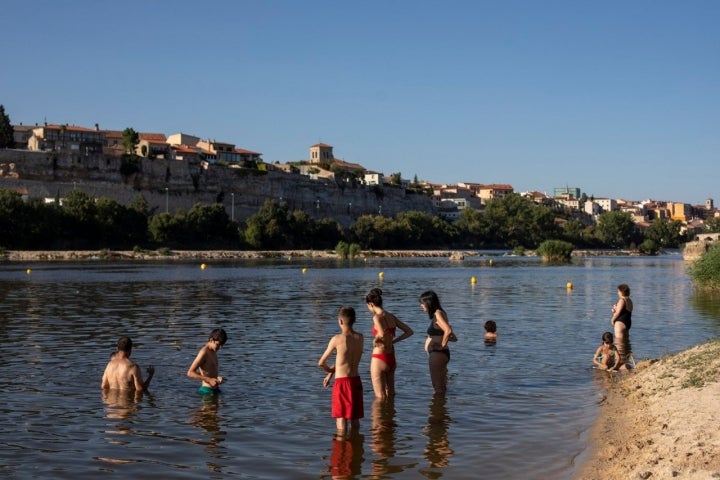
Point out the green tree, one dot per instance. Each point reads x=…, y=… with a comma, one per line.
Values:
x=7, y=139
x=572, y=231
x=712, y=225
x=13, y=219
x=616, y=229
x=270, y=227
x=130, y=140
x=665, y=233
x=160, y=228
x=208, y=224
x=514, y=220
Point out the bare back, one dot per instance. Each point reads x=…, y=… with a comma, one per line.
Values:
x=121, y=373
x=348, y=351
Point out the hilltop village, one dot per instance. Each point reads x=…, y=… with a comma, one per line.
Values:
x=176, y=171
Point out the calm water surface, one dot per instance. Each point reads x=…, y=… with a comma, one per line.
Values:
x=518, y=409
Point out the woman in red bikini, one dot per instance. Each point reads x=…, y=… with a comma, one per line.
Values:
x=382, y=363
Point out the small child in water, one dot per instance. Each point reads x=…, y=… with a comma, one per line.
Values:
x=606, y=356
x=490, y=331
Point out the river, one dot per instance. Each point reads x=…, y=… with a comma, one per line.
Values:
x=520, y=408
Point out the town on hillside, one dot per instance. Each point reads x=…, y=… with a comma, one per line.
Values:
x=447, y=201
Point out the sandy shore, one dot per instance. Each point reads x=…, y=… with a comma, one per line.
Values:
x=661, y=421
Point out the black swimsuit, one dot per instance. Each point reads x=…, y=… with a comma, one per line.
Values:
x=433, y=331
x=625, y=317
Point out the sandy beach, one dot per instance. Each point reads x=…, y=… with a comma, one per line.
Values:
x=660, y=421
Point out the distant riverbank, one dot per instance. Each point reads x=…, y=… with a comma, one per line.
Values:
x=184, y=255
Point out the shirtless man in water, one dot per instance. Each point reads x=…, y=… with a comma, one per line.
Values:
x=121, y=373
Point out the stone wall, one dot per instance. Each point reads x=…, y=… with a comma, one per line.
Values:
x=177, y=184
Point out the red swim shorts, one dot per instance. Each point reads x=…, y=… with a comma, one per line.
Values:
x=347, y=398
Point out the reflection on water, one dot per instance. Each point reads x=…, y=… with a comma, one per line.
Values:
x=272, y=422
x=347, y=455
x=437, y=451
x=205, y=417
x=383, y=436
x=121, y=405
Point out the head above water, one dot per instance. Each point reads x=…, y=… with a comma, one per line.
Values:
x=124, y=344
x=374, y=297
x=431, y=302
x=490, y=326
x=219, y=335
x=607, y=338
x=624, y=290
x=347, y=316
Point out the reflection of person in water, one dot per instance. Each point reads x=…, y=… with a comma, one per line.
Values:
x=121, y=404
x=206, y=418
x=347, y=455
x=438, y=451
x=383, y=435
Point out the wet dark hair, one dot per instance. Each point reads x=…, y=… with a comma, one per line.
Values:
x=491, y=326
x=219, y=335
x=374, y=297
x=607, y=337
x=347, y=314
x=624, y=289
x=124, y=344
x=431, y=301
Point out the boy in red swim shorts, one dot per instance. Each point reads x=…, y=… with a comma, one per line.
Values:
x=347, y=394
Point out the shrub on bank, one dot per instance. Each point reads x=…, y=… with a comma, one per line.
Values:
x=555, y=251
x=705, y=272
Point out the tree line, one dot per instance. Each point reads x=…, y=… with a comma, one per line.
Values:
x=79, y=221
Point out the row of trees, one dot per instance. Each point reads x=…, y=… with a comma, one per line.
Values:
x=82, y=222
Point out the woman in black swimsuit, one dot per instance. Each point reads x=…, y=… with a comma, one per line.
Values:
x=436, y=345
x=622, y=321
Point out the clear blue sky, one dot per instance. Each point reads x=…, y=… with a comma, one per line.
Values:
x=619, y=98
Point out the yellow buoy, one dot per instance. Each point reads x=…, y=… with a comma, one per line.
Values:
x=381, y=274
x=473, y=280
x=28, y=271
x=569, y=286
x=202, y=266
x=304, y=270
x=490, y=262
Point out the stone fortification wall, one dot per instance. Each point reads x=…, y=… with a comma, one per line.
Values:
x=177, y=184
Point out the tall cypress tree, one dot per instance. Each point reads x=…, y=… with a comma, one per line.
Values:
x=6, y=130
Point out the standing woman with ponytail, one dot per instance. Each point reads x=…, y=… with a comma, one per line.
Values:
x=382, y=362
x=439, y=334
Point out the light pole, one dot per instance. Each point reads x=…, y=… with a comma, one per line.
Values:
x=317, y=206
x=380, y=209
x=232, y=207
x=349, y=207
x=167, y=204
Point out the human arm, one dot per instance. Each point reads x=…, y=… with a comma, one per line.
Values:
x=444, y=325
x=105, y=383
x=196, y=372
x=322, y=363
x=407, y=331
x=617, y=310
x=598, y=352
x=150, y=371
